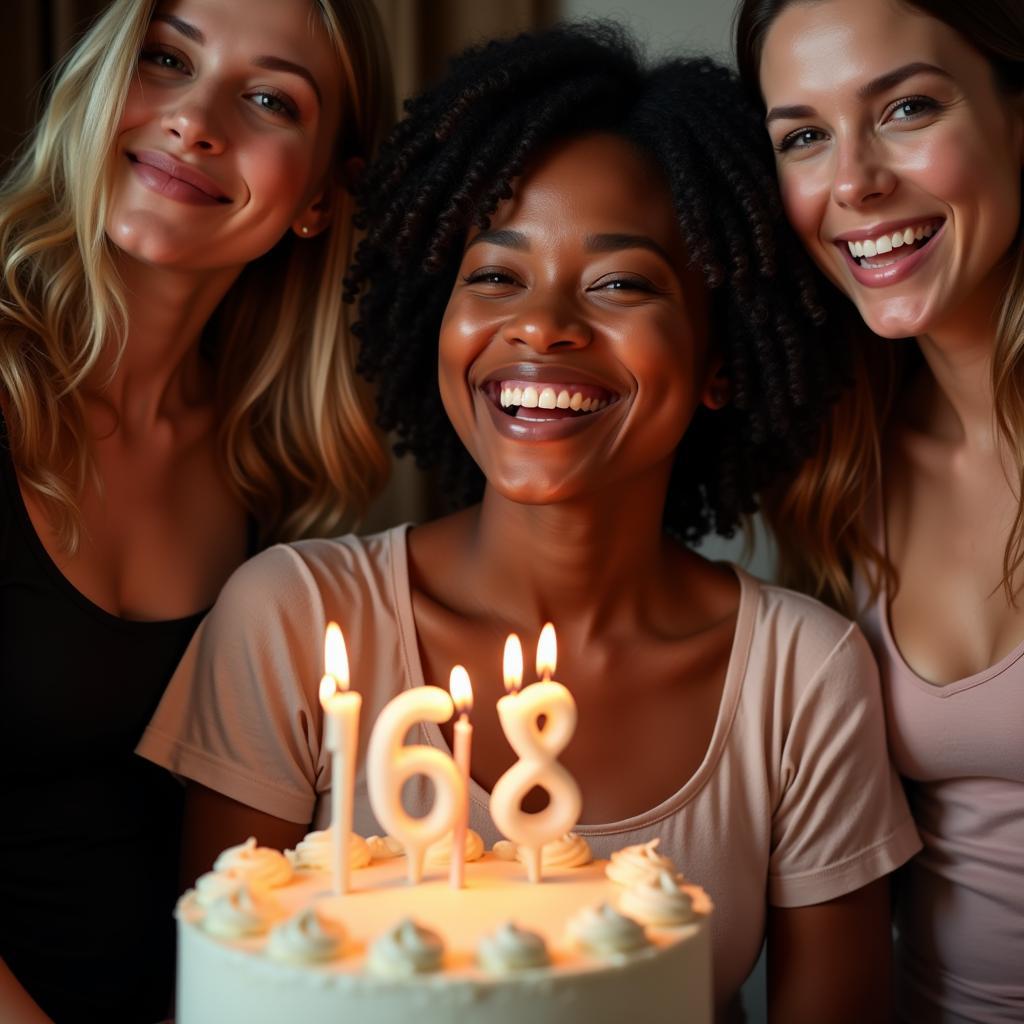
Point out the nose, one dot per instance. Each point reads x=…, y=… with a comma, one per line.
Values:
x=194, y=123
x=862, y=174
x=547, y=326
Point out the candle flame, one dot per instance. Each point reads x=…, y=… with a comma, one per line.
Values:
x=547, y=652
x=328, y=688
x=462, y=690
x=512, y=664
x=335, y=656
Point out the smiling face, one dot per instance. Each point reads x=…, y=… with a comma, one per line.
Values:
x=899, y=160
x=573, y=351
x=227, y=132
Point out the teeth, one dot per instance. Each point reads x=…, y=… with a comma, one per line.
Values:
x=531, y=397
x=886, y=243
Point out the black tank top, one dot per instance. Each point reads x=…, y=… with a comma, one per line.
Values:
x=90, y=832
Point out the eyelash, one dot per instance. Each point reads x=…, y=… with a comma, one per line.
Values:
x=927, y=104
x=486, y=276
x=155, y=54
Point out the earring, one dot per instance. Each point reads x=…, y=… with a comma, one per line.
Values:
x=304, y=229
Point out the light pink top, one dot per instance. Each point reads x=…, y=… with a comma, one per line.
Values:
x=960, y=911
x=795, y=801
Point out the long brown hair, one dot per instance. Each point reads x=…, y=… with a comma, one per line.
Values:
x=822, y=518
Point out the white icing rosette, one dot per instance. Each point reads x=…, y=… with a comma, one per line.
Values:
x=215, y=884
x=569, y=851
x=504, y=849
x=439, y=854
x=307, y=937
x=604, y=931
x=315, y=852
x=512, y=948
x=660, y=901
x=384, y=847
x=638, y=863
x=405, y=950
x=247, y=910
x=258, y=864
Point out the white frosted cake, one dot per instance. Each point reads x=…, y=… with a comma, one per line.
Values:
x=263, y=940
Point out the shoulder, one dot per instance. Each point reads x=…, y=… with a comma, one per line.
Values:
x=807, y=647
x=290, y=580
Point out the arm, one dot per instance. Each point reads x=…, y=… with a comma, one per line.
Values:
x=831, y=961
x=16, y=1005
x=214, y=822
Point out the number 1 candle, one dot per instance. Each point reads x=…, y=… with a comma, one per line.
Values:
x=341, y=727
x=538, y=749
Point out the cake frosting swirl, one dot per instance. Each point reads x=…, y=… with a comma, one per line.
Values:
x=606, y=932
x=315, y=851
x=568, y=851
x=638, y=863
x=246, y=910
x=511, y=948
x=258, y=864
x=306, y=937
x=658, y=900
x=406, y=949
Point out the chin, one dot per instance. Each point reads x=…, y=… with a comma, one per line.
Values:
x=901, y=318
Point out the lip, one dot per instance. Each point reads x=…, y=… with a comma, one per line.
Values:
x=535, y=373
x=882, y=277
x=540, y=430
x=169, y=177
x=886, y=228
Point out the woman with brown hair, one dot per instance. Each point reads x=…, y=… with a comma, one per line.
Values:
x=898, y=128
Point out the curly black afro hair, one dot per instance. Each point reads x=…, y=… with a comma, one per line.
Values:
x=457, y=154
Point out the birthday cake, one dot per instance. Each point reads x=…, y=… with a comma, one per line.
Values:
x=263, y=939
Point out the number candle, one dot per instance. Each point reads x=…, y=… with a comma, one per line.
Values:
x=462, y=695
x=341, y=728
x=538, y=749
x=389, y=764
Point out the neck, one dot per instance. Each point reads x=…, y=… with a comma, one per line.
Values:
x=160, y=371
x=602, y=555
x=959, y=404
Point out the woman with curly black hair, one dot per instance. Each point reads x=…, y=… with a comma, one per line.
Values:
x=588, y=259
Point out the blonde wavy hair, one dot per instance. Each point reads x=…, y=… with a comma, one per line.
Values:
x=823, y=518
x=295, y=434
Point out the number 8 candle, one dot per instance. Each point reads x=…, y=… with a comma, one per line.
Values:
x=389, y=764
x=538, y=749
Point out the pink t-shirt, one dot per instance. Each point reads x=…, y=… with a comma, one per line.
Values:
x=960, y=911
x=795, y=801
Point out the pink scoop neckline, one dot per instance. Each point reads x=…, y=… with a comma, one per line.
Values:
x=939, y=690
x=734, y=676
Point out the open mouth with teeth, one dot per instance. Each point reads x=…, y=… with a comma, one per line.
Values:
x=531, y=400
x=893, y=246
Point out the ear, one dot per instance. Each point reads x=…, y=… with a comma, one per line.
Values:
x=717, y=387
x=315, y=216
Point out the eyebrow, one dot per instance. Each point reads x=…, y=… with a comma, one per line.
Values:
x=881, y=84
x=616, y=242
x=504, y=237
x=268, y=63
x=611, y=242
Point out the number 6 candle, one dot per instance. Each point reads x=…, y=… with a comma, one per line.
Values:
x=389, y=764
x=341, y=726
x=538, y=750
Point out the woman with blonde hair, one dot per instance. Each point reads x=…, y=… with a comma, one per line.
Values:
x=176, y=392
x=898, y=127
